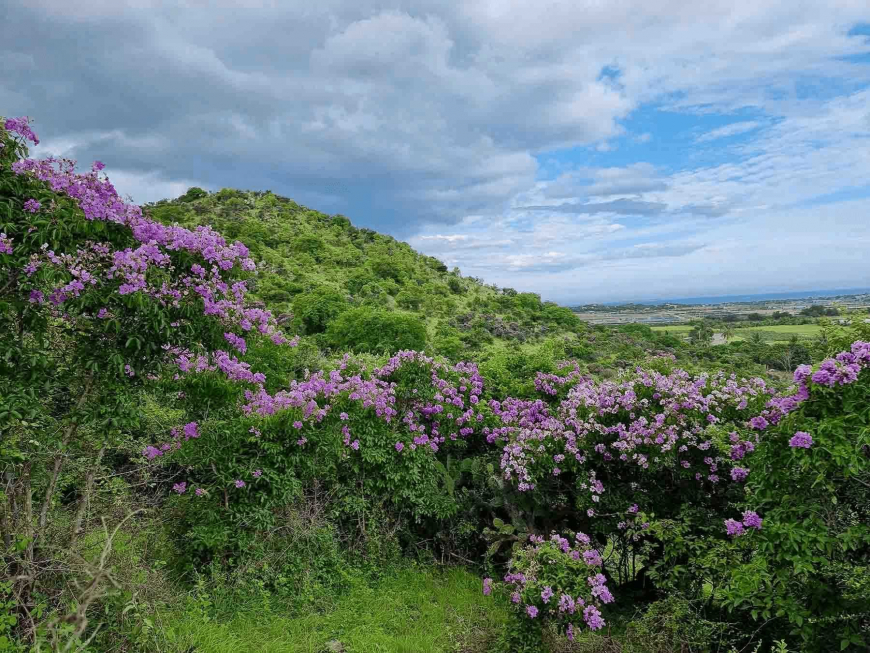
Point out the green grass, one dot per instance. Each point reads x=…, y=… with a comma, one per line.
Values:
x=674, y=330
x=411, y=611
x=779, y=332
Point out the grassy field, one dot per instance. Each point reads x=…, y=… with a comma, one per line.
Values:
x=777, y=333
x=675, y=330
x=411, y=611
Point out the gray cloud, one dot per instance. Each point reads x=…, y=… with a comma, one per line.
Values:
x=621, y=207
x=604, y=182
x=413, y=118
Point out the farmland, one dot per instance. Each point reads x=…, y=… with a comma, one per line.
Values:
x=772, y=333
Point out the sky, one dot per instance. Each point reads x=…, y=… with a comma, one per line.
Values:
x=595, y=150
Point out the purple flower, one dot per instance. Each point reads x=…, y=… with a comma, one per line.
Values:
x=758, y=423
x=532, y=611
x=257, y=473
x=190, y=430
x=21, y=126
x=400, y=446
x=547, y=594
x=739, y=474
x=801, y=440
x=515, y=597
x=199, y=491
x=181, y=488
x=487, y=586
x=5, y=244
x=592, y=617
x=240, y=483
x=752, y=520
x=32, y=206
x=355, y=445
x=733, y=527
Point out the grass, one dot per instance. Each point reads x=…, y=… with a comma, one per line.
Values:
x=779, y=332
x=677, y=329
x=420, y=610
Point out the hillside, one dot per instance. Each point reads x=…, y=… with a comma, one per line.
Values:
x=183, y=473
x=319, y=267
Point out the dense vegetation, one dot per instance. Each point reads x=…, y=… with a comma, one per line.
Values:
x=181, y=469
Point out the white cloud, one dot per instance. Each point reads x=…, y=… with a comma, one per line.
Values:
x=729, y=130
x=426, y=121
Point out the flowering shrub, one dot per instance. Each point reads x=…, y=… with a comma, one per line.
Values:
x=798, y=558
x=556, y=580
x=763, y=495
x=92, y=294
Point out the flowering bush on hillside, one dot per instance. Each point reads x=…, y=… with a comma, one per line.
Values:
x=712, y=479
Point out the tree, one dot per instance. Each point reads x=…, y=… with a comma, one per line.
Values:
x=372, y=330
x=315, y=310
x=756, y=337
x=701, y=334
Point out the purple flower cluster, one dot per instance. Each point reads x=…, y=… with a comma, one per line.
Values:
x=128, y=270
x=801, y=440
x=5, y=244
x=536, y=581
x=651, y=417
x=750, y=520
x=21, y=126
x=188, y=432
x=840, y=370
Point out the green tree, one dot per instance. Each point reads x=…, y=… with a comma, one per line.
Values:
x=372, y=330
x=315, y=310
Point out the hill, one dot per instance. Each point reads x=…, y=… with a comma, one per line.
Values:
x=350, y=288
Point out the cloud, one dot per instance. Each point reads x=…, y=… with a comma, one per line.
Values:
x=530, y=132
x=605, y=182
x=622, y=207
x=729, y=130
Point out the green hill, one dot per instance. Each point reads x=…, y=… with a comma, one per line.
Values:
x=318, y=267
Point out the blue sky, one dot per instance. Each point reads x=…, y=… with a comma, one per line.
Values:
x=586, y=151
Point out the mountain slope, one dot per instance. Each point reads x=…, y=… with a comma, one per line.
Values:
x=306, y=254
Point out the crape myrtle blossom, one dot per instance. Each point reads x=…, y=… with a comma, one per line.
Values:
x=751, y=519
x=21, y=126
x=651, y=417
x=801, y=440
x=546, y=580
x=133, y=270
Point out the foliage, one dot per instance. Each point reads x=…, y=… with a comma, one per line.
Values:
x=373, y=330
x=137, y=368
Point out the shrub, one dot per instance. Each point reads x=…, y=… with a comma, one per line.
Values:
x=315, y=310
x=372, y=330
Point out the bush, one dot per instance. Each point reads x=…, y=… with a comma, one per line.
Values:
x=315, y=310
x=372, y=330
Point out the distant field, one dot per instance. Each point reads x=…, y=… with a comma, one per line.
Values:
x=680, y=328
x=780, y=332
